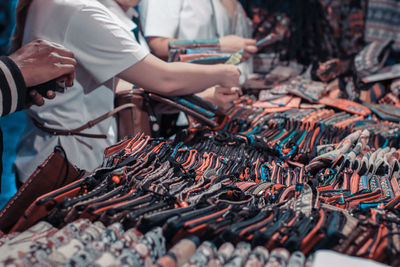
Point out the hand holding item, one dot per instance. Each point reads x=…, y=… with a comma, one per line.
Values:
x=42, y=61
x=230, y=76
x=220, y=96
x=233, y=44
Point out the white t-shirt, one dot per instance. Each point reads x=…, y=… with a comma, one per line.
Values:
x=194, y=20
x=184, y=19
x=103, y=47
x=126, y=18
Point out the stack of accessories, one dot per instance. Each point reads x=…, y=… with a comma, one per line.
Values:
x=204, y=57
x=224, y=187
x=188, y=174
x=194, y=106
x=303, y=93
x=284, y=113
x=207, y=44
x=363, y=78
x=82, y=243
x=386, y=111
x=310, y=92
x=277, y=234
x=189, y=51
x=207, y=254
x=208, y=51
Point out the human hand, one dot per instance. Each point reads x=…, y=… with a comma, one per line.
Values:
x=248, y=52
x=229, y=76
x=37, y=98
x=220, y=96
x=41, y=61
x=234, y=43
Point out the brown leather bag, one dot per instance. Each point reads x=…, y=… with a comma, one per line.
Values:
x=133, y=120
x=52, y=174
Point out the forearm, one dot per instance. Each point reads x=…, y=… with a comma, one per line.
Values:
x=184, y=78
x=160, y=46
x=12, y=86
x=178, y=78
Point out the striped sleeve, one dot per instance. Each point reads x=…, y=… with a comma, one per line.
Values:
x=13, y=91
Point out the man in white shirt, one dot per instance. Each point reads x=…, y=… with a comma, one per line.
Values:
x=165, y=21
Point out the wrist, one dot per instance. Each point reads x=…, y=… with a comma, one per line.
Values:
x=14, y=78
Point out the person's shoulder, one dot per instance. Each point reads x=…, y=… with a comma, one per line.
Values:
x=73, y=5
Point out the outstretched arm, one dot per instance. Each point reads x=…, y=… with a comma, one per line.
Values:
x=230, y=43
x=173, y=79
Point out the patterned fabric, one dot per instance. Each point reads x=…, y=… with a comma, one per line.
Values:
x=346, y=21
x=307, y=89
x=82, y=243
x=395, y=87
x=373, y=93
x=372, y=58
x=346, y=105
x=22, y=243
x=386, y=112
x=332, y=156
x=383, y=22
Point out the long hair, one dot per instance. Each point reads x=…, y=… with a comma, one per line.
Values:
x=21, y=14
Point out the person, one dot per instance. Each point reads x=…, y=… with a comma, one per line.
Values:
x=219, y=96
x=105, y=50
x=35, y=63
x=172, y=20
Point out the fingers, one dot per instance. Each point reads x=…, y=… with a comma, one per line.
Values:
x=230, y=98
x=50, y=94
x=63, y=60
x=62, y=51
x=229, y=91
x=37, y=99
x=225, y=90
x=250, y=42
x=69, y=79
x=249, y=51
x=238, y=90
x=65, y=69
x=54, y=47
x=252, y=49
x=66, y=73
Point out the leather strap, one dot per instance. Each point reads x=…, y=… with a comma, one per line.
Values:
x=90, y=124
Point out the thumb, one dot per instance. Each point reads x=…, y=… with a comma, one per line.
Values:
x=250, y=42
x=251, y=49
